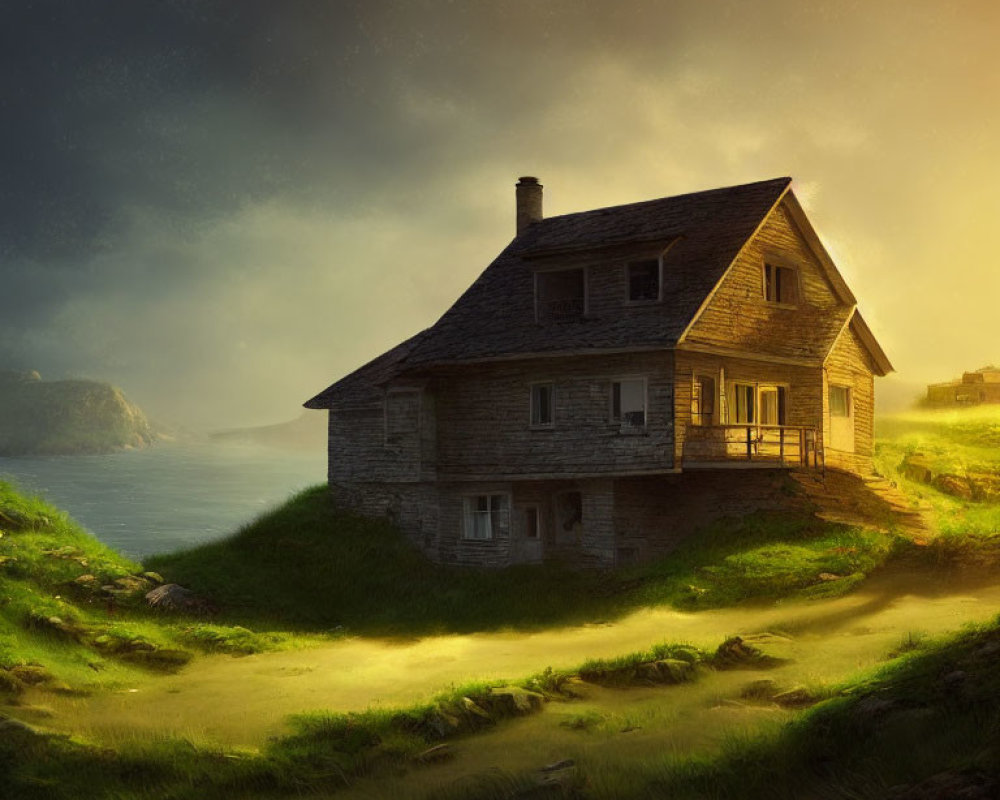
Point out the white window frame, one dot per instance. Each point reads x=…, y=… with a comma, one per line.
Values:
x=469, y=534
x=848, y=399
x=532, y=422
x=645, y=402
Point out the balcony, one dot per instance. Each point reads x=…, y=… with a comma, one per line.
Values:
x=723, y=446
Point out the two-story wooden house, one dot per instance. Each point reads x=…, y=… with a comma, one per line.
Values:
x=612, y=378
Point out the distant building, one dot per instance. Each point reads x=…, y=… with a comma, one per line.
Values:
x=981, y=386
x=612, y=379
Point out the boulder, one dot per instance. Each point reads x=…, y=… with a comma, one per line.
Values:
x=13, y=520
x=916, y=467
x=518, y=700
x=172, y=597
x=954, y=485
x=673, y=670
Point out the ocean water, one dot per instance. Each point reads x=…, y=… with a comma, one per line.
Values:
x=170, y=496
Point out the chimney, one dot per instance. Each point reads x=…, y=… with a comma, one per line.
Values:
x=529, y=203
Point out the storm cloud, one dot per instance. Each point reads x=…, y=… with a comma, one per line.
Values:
x=224, y=206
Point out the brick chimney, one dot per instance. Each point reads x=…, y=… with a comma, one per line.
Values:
x=529, y=203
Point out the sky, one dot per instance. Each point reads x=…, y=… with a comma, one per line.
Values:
x=223, y=207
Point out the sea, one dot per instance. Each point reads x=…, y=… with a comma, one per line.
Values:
x=170, y=496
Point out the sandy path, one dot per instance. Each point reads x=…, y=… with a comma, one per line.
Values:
x=241, y=701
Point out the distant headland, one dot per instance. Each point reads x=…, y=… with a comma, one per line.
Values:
x=66, y=417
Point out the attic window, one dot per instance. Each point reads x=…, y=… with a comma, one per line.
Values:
x=781, y=284
x=560, y=295
x=644, y=281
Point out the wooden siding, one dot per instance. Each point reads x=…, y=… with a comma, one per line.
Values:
x=739, y=317
x=803, y=399
x=484, y=431
x=850, y=365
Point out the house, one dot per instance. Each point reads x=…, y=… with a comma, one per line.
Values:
x=981, y=386
x=613, y=379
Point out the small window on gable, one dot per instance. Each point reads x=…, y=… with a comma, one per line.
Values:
x=840, y=401
x=781, y=284
x=628, y=403
x=644, y=281
x=486, y=516
x=542, y=405
x=560, y=295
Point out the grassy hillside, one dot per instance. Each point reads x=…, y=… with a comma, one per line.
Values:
x=66, y=417
x=311, y=565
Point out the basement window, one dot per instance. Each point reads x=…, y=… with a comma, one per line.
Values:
x=644, y=281
x=485, y=516
x=560, y=295
x=840, y=401
x=781, y=284
x=628, y=403
x=542, y=405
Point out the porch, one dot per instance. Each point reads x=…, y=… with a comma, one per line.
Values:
x=751, y=445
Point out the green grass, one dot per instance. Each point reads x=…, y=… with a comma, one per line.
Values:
x=313, y=567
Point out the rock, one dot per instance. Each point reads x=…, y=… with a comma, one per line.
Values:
x=518, y=700
x=172, y=597
x=31, y=674
x=828, y=576
x=954, y=485
x=440, y=752
x=469, y=705
x=9, y=683
x=916, y=467
x=759, y=690
x=734, y=653
x=155, y=577
x=13, y=520
x=649, y=673
x=131, y=583
x=443, y=724
x=799, y=697
x=87, y=580
x=871, y=708
x=673, y=670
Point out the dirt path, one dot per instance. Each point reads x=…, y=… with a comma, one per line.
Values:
x=242, y=701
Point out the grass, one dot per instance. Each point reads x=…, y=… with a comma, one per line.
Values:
x=326, y=569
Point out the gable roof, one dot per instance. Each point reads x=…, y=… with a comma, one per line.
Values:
x=495, y=317
x=700, y=235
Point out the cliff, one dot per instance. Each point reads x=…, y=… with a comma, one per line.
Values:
x=66, y=417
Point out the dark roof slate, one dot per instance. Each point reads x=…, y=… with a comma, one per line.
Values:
x=495, y=317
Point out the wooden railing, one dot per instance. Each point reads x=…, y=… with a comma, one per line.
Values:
x=786, y=445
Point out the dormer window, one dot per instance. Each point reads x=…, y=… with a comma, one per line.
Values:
x=560, y=295
x=644, y=281
x=781, y=284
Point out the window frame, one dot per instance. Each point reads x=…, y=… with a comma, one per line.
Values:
x=468, y=528
x=619, y=421
x=848, y=400
x=532, y=422
x=644, y=301
x=533, y=511
x=586, y=292
x=697, y=418
x=772, y=265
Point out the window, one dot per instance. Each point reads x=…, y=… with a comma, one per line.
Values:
x=531, y=522
x=703, y=400
x=542, y=405
x=644, y=280
x=569, y=510
x=742, y=403
x=840, y=401
x=772, y=405
x=780, y=284
x=628, y=402
x=485, y=516
x=560, y=295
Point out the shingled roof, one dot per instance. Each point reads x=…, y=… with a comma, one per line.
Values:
x=495, y=317
x=702, y=234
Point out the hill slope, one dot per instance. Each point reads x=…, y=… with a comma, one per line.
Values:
x=66, y=417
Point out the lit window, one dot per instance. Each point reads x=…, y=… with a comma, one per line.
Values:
x=772, y=405
x=628, y=402
x=644, y=280
x=742, y=403
x=780, y=284
x=542, y=405
x=485, y=516
x=840, y=401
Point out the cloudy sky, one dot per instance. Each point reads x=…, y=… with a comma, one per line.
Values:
x=224, y=206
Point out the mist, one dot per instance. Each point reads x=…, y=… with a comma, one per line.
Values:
x=225, y=207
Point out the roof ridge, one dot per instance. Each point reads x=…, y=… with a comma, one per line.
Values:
x=684, y=195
